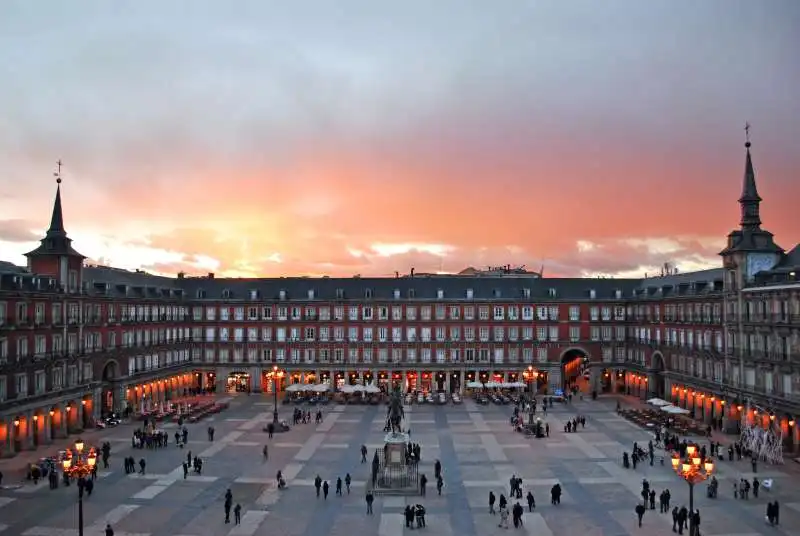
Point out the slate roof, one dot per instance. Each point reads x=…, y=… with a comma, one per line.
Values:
x=10, y=268
x=103, y=281
x=684, y=284
x=416, y=287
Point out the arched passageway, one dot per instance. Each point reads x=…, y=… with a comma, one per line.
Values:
x=109, y=378
x=573, y=364
x=657, y=379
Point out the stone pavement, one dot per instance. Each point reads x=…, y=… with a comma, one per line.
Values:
x=478, y=450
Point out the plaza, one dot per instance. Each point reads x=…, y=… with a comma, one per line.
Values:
x=475, y=444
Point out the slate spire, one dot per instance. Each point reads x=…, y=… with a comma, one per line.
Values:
x=56, y=242
x=750, y=201
x=57, y=219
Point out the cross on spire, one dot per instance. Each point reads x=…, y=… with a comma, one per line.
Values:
x=747, y=134
x=58, y=171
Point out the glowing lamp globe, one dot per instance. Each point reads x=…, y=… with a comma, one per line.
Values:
x=79, y=446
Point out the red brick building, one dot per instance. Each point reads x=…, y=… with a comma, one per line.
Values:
x=77, y=341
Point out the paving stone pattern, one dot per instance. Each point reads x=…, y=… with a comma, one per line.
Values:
x=478, y=450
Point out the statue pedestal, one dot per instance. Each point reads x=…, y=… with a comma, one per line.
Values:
x=395, y=449
x=394, y=476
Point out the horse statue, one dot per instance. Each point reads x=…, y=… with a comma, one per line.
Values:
x=395, y=412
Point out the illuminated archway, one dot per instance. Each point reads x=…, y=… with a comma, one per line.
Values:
x=657, y=378
x=573, y=363
x=108, y=377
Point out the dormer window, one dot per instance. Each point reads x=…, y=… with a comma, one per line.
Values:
x=526, y=293
x=368, y=293
x=226, y=294
x=201, y=294
x=592, y=294
x=551, y=292
x=397, y=294
x=253, y=294
x=618, y=294
x=282, y=295
x=412, y=293
x=440, y=294
x=470, y=294
x=339, y=293
x=311, y=294
x=496, y=293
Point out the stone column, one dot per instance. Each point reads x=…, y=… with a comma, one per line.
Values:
x=47, y=427
x=61, y=429
x=10, y=434
x=97, y=403
x=255, y=379
x=554, y=380
x=594, y=380
x=29, y=430
x=78, y=409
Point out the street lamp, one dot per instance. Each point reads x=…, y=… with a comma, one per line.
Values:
x=276, y=375
x=78, y=465
x=693, y=471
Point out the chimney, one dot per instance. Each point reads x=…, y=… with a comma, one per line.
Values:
x=397, y=275
x=181, y=275
x=211, y=275
x=412, y=271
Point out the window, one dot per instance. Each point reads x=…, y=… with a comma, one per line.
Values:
x=396, y=294
x=553, y=333
x=499, y=313
x=574, y=313
x=574, y=333
x=39, y=382
x=21, y=385
x=440, y=294
x=470, y=294
x=253, y=294
x=541, y=355
x=527, y=312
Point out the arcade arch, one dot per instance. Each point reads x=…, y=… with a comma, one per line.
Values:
x=574, y=361
x=657, y=378
x=109, y=377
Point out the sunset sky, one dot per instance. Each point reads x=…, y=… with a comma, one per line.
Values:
x=365, y=137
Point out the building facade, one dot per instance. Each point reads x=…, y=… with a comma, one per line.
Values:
x=79, y=341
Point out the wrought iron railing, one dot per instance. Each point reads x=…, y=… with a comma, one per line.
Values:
x=392, y=476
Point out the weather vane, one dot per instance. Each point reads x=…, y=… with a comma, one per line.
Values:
x=747, y=132
x=57, y=173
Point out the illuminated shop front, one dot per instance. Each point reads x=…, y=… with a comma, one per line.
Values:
x=238, y=382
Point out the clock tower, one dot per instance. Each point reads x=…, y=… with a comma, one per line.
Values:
x=750, y=249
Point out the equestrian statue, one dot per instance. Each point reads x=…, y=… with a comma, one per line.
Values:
x=395, y=413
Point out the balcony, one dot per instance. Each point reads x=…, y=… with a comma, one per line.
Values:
x=769, y=319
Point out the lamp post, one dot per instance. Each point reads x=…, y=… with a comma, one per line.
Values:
x=79, y=465
x=276, y=375
x=693, y=472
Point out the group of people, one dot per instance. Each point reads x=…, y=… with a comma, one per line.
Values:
x=300, y=416
x=517, y=510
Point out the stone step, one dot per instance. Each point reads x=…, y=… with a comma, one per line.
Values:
x=396, y=492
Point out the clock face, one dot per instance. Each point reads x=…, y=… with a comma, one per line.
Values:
x=759, y=262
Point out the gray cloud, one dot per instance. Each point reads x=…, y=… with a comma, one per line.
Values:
x=17, y=230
